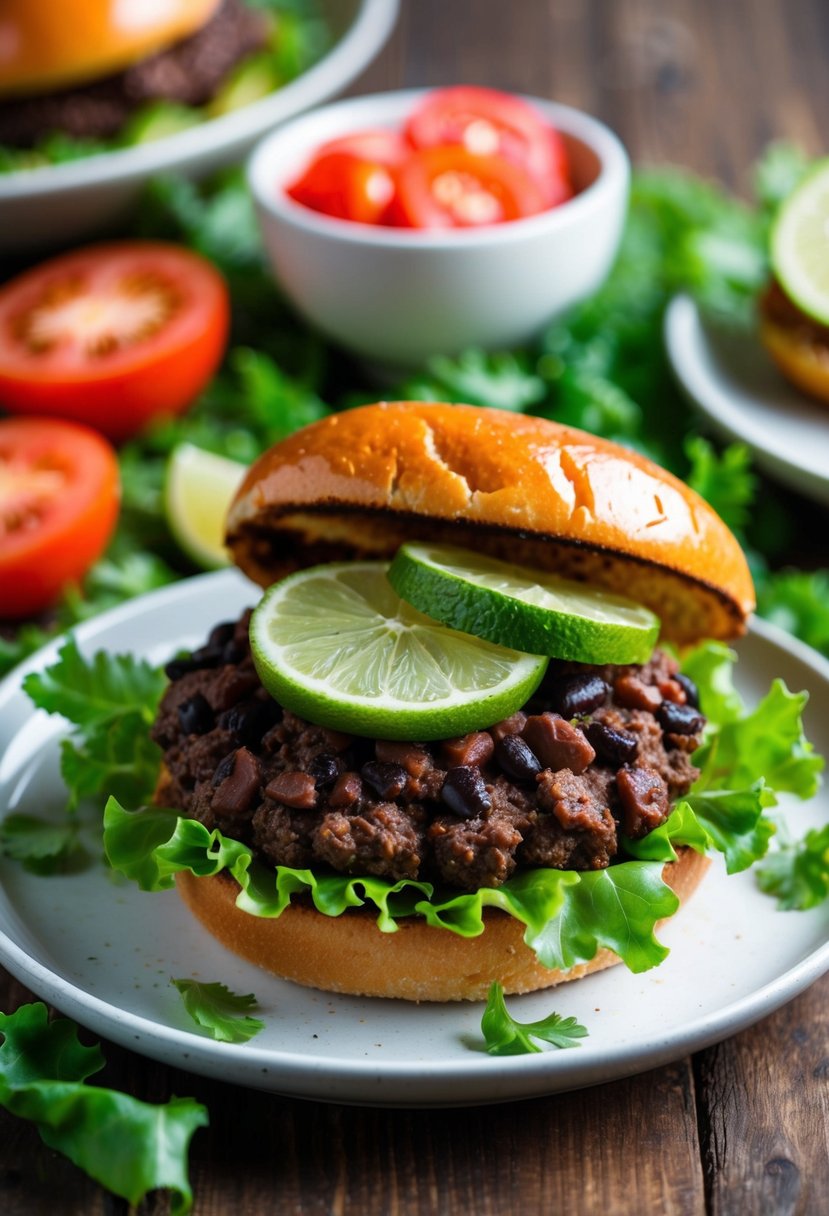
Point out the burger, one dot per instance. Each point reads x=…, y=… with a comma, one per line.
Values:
x=122, y=70
x=797, y=343
x=427, y=870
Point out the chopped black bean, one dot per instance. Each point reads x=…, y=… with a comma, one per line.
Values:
x=612, y=746
x=224, y=769
x=517, y=758
x=572, y=696
x=387, y=780
x=195, y=715
x=221, y=634
x=679, y=719
x=325, y=769
x=250, y=720
x=689, y=688
x=464, y=792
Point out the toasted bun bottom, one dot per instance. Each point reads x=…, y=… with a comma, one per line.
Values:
x=350, y=954
x=802, y=361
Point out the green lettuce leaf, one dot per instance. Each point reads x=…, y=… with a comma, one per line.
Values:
x=129, y=1147
x=506, y=1037
x=219, y=1011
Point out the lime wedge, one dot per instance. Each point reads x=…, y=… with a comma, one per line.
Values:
x=800, y=244
x=198, y=491
x=515, y=606
x=335, y=645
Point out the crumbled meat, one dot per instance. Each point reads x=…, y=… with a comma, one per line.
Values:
x=190, y=72
x=533, y=790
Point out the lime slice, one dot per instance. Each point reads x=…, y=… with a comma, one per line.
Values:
x=335, y=645
x=198, y=491
x=800, y=244
x=515, y=606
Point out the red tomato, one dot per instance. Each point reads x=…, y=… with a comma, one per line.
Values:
x=453, y=188
x=348, y=183
x=491, y=123
x=58, y=507
x=112, y=335
x=377, y=144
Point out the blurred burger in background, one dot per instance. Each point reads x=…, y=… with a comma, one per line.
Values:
x=127, y=71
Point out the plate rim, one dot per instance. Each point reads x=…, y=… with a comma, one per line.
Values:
x=683, y=312
x=519, y=1076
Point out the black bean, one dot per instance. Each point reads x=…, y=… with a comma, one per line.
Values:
x=250, y=720
x=195, y=715
x=224, y=769
x=221, y=634
x=572, y=696
x=517, y=758
x=612, y=746
x=464, y=792
x=233, y=652
x=325, y=769
x=689, y=688
x=387, y=780
x=679, y=719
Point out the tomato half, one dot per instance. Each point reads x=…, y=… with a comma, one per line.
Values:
x=453, y=188
x=490, y=123
x=112, y=335
x=58, y=507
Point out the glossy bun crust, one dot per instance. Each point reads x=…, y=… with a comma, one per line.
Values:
x=350, y=954
x=359, y=483
x=50, y=44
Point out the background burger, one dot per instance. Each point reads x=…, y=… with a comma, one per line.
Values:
x=126, y=70
x=501, y=825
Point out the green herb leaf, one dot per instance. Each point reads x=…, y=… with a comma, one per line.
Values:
x=506, y=1037
x=96, y=691
x=724, y=479
x=219, y=1011
x=798, y=872
x=42, y=847
x=503, y=380
x=129, y=1147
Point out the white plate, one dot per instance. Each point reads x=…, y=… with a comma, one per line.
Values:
x=104, y=953
x=734, y=383
x=90, y=193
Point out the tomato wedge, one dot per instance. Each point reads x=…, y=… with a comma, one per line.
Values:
x=453, y=188
x=490, y=123
x=58, y=508
x=346, y=186
x=112, y=336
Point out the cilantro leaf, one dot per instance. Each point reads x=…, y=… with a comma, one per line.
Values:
x=798, y=601
x=129, y=1147
x=117, y=758
x=219, y=1011
x=798, y=872
x=502, y=380
x=506, y=1037
x=41, y=846
x=92, y=692
x=724, y=479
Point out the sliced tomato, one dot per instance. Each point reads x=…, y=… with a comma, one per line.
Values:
x=113, y=335
x=453, y=188
x=347, y=185
x=490, y=123
x=58, y=507
x=377, y=144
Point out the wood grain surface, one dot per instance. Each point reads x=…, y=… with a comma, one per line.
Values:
x=742, y=1128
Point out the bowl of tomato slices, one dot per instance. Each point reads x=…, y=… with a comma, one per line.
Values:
x=415, y=223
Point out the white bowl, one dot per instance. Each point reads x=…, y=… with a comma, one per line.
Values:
x=56, y=204
x=396, y=296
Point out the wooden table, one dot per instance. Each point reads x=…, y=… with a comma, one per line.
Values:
x=741, y=1128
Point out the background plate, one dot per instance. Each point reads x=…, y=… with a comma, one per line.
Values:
x=104, y=952
x=733, y=381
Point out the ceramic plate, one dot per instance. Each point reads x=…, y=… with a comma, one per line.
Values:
x=734, y=383
x=104, y=953
x=93, y=193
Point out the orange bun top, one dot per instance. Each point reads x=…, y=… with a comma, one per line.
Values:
x=359, y=483
x=51, y=44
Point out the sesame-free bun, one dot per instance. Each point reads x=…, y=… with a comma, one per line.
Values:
x=359, y=483
x=51, y=44
x=804, y=362
x=350, y=954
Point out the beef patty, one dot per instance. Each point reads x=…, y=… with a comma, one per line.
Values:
x=189, y=72
x=597, y=754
